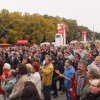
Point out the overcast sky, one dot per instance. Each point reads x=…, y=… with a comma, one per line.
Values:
x=86, y=12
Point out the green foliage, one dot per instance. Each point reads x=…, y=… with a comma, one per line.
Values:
x=97, y=36
x=36, y=28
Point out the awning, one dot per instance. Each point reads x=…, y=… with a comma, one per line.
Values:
x=5, y=44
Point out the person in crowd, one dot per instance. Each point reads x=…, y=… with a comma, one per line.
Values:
x=24, y=61
x=94, y=52
x=29, y=69
x=94, y=93
x=30, y=92
x=60, y=67
x=93, y=73
x=35, y=77
x=88, y=57
x=79, y=80
x=75, y=61
x=1, y=72
x=1, y=66
x=67, y=75
x=18, y=88
x=70, y=54
x=47, y=73
x=21, y=54
x=54, y=78
x=35, y=57
x=8, y=84
x=44, y=59
x=6, y=69
x=16, y=60
x=96, y=62
x=81, y=53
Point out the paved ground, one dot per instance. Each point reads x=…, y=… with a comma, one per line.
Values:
x=60, y=96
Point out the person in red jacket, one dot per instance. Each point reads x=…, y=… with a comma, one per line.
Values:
x=79, y=80
x=1, y=72
x=5, y=70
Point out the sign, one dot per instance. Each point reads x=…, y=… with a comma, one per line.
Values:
x=60, y=37
x=61, y=28
x=84, y=36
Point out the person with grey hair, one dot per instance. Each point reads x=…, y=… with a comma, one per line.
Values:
x=8, y=84
x=92, y=73
x=29, y=69
x=94, y=93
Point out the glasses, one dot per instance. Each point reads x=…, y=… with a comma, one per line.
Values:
x=93, y=85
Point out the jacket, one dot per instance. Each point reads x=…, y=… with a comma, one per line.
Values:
x=36, y=79
x=18, y=88
x=91, y=96
x=74, y=85
x=8, y=85
x=47, y=73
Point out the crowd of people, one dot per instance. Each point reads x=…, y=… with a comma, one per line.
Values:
x=28, y=71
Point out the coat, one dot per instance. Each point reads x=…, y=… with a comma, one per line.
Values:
x=18, y=88
x=5, y=73
x=8, y=85
x=91, y=96
x=36, y=79
x=47, y=73
x=74, y=85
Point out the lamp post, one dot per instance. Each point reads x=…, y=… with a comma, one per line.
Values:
x=93, y=35
x=50, y=40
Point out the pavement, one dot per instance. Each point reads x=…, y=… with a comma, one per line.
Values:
x=61, y=96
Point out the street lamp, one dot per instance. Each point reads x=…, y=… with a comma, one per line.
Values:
x=50, y=40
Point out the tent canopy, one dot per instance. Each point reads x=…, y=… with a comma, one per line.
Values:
x=4, y=44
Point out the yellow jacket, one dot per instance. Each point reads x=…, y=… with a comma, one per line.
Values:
x=47, y=73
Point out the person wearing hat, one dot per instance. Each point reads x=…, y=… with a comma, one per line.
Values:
x=93, y=73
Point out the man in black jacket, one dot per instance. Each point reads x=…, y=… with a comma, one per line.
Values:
x=60, y=67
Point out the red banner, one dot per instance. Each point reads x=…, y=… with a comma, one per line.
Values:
x=22, y=42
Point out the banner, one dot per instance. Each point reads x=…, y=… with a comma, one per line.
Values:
x=84, y=36
x=22, y=42
x=61, y=28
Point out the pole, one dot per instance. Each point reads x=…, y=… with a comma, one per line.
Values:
x=93, y=34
